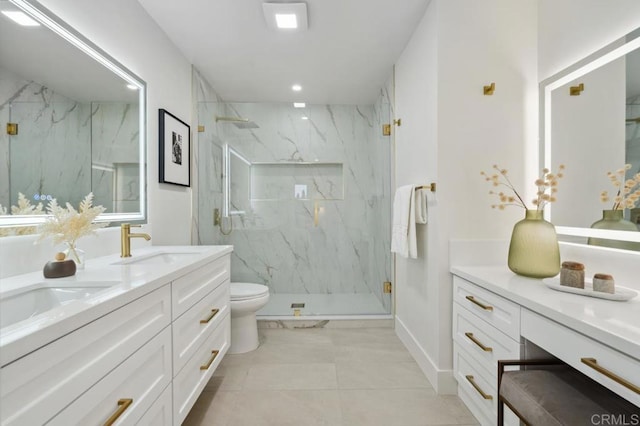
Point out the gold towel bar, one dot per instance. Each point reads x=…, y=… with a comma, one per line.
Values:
x=431, y=187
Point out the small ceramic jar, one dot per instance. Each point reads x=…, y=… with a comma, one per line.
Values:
x=604, y=283
x=572, y=274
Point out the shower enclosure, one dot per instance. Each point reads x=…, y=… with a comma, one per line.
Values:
x=304, y=196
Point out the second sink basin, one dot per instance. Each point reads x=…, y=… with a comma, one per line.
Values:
x=44, y=296
x=161, y=258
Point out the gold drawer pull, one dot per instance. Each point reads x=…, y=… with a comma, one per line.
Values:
x=477, y=342
x=482, y=305
x=475, y=385
x=213, y=313
x=123, y=404
x=593, y=363
x=206, y=366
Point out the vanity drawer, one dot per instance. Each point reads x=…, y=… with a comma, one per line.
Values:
x=36, y=387
x=578, y=351
x=484, y=343
x=496, y=310
x=481, y=398
x=188, y=384
x=190, y=288
x=193, y=327
x=161, y=412
x=128, y=391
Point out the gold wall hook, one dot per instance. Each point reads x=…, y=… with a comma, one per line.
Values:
x=12, y=129
x=576, y=90
x=488, y=90
x=398, y=122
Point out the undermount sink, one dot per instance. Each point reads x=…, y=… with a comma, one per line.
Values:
x=161, y=258
x=44, y=296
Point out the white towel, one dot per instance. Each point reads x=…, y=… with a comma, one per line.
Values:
x=403, y=231
x=420, y=202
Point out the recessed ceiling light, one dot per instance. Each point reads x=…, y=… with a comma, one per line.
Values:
x=304, y=117
x=286, y=20
x=132, y=87
x=20, y=18
x=296, y=88
x=299, y=105
x=286, y=16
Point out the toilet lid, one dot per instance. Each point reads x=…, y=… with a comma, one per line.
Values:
x=243, y=291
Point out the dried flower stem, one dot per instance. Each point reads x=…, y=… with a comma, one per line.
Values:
x=628, y=191
x=547, y=188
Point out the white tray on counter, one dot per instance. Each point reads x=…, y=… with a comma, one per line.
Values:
x=621, y=294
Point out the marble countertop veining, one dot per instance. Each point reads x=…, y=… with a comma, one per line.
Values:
x=132, y=281
x=616, y=324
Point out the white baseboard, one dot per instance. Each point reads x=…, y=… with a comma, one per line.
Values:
x=443, y=381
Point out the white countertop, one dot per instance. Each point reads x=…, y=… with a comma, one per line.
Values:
x=132, y=282
x=616, y=324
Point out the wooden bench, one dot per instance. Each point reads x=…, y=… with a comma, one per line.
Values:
x=559, y=395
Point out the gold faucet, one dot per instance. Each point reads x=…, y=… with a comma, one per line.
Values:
x=125, y=238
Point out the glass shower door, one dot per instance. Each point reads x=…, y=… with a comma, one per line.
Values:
x=307, y=191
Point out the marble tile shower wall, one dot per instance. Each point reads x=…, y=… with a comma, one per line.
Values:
x=348, y=189
x=52, y=130
x=52, y=153
x=115, y=155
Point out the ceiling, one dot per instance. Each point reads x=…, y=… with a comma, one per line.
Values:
x=344, y=57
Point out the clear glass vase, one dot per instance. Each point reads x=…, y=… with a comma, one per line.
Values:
x=534, y=250
x=74, y=253
x=614, y=220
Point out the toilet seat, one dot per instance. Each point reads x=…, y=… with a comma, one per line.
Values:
x=247, y=291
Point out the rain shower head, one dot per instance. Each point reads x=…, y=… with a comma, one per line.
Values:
x=239, y=122
x=246, y=125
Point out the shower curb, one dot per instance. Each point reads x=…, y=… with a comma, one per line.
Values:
x=327, y=323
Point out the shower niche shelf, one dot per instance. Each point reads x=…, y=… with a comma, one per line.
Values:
x=296, y=181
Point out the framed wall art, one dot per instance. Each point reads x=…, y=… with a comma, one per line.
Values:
x=175, y=150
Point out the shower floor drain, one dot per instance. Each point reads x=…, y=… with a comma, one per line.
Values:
x=297, y=305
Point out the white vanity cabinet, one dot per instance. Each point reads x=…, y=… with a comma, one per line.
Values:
x=126, y=393
x=161, y=412
x=496, y=314
x=201, y=331
x=486, y=328
x=145, y=362
x=37, y=386
x=612, y=368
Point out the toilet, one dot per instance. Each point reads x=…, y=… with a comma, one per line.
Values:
x=246, y=300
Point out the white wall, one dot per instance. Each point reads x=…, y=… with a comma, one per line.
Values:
x=123, y=29
x=416, y=94
x=450, y=132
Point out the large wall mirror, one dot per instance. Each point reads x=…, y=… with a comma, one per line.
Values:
x=75, y=121
x=590, y=121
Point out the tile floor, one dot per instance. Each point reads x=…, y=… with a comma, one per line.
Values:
x=325, y=376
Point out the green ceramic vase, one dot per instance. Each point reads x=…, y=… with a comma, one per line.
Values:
x=534, y=250
x=614, y=220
